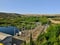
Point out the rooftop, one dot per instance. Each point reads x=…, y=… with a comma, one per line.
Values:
x=3, y=36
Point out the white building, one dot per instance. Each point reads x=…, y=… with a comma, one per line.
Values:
x=5, y=39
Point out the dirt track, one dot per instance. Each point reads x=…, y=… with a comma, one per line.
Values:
x=53, y=21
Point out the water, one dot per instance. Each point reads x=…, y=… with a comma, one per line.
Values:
x=9, y=30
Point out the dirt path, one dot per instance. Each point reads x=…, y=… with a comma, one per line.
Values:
x=53, y=21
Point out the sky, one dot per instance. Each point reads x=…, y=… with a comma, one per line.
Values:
x=30, y=6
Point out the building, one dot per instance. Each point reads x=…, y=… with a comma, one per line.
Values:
x=16, y=41
x=7, y=36
x=9, y=30
x=5, y=39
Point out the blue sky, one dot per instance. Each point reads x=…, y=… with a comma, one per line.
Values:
x=30, y=6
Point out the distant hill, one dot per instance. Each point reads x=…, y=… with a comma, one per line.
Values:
x=9, y=14
x=2, y=14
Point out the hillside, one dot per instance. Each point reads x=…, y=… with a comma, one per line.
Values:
x=20, y=20
x=24, y=20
